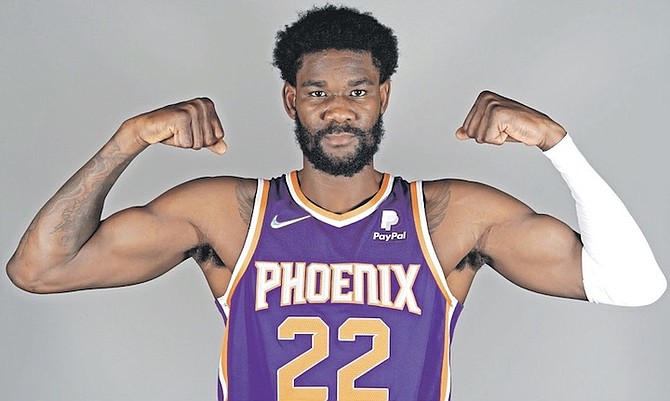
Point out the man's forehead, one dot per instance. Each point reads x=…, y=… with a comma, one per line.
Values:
x=320, y=66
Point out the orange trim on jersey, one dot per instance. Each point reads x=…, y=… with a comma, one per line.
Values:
x=224, y=363
x=248, y=253
x=254, y=241
x=416, y=210
x=428, y=255
x=386, y=181
x=445, y=379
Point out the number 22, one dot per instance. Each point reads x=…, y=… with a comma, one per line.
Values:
x=346, y=375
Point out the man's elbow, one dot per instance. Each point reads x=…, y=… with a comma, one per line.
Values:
x=22, y=275
x=635, y=281
x=646, y=286
x=630, y=291
x=652, y=291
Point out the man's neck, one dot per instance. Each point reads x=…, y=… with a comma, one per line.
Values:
x=339, y=194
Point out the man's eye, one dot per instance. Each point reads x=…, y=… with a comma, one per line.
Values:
x=358, y=92
x=317, y=94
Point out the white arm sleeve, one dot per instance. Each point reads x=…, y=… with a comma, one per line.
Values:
x=618, y=267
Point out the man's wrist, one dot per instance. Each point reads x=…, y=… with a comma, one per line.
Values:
x=128, y=140
x=555, y=134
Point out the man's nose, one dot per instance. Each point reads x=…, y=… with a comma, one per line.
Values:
x=339, y=110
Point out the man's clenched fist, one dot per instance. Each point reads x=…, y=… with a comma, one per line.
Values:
x=192, y=124
x=496, y=119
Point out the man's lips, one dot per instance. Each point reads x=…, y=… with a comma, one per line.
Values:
x=339, y=139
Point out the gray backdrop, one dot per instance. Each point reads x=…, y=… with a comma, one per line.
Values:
x=72, y=71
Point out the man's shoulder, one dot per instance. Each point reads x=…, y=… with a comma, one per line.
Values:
x=217, y=183
x=465, y=196
x=205, y=200
x=211, y=190
x=473, y=202
x=455, y=186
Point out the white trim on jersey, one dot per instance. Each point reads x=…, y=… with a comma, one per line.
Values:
x=438, y=273
x=344, y=219
x=429, y=243
x=247, y=250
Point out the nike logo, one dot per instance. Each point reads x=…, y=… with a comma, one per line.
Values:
x=280, y=224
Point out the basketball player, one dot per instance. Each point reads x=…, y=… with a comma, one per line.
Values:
x=337, y=281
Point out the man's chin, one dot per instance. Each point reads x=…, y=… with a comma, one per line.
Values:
x=340, y=156
x=339, y=153
x=339, y=166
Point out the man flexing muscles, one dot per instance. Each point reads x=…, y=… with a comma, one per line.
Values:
x=337, y=281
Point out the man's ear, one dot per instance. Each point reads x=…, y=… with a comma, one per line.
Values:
x=288, y=96
x=384, y=94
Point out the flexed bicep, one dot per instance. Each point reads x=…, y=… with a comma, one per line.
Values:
x=539, y=253
x=483, y=225
x=68, y=226
x=130, y=247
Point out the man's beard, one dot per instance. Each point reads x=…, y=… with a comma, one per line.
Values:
x=368, y=144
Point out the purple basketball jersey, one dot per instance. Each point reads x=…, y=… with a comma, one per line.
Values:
x=325, y=306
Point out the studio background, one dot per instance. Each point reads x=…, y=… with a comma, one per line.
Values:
x=72, y=71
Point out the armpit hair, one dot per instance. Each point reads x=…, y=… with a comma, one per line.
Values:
x=474, y=260
x=204, y=253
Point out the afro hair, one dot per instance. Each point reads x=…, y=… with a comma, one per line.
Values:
x=340, y=28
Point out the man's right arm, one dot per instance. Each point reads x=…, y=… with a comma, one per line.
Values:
x=67, y=247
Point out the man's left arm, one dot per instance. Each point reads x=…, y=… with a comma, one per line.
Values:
x=616, y=262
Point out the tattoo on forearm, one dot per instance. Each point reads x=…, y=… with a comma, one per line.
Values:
x=73, y=213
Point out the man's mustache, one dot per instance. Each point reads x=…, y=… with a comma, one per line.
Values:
x=339, y=129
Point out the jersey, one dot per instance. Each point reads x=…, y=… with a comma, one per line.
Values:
x=325, y=306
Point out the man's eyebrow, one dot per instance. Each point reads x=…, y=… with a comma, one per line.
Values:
x=310, y=82
x=359, y=82
x=322, y=84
